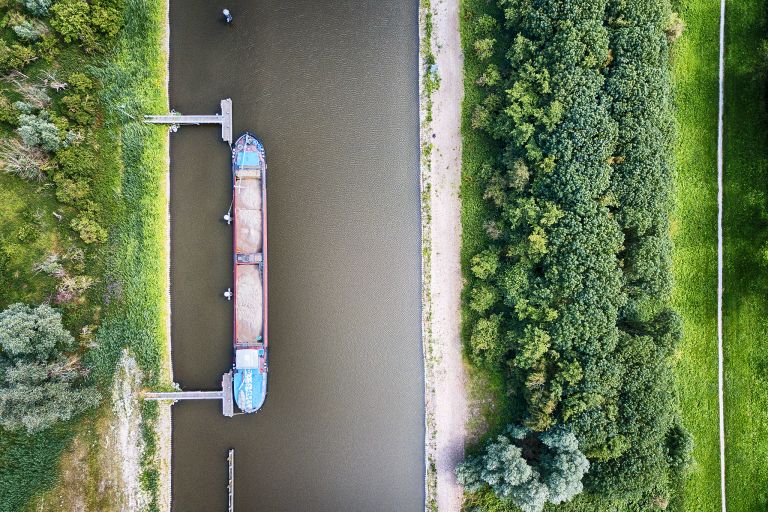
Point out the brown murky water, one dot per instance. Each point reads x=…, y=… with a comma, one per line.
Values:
x=330, y=86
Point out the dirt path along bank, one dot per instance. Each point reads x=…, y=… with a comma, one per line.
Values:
x=446, y=379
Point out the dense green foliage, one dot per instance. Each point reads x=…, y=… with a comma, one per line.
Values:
x=82, y=198
x=528, y=468
x=38, y=377
x=87, y=23
x=569, y=297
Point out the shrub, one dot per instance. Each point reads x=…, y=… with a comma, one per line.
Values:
x=37, y=7
x=88, y=228
x=484, y=48
x=483, y=297
x=80, y=82
x=679, y=447
x=48, y=47
x=70, y=191
x=78, y=160
x=78, y=21
x=486, y=25
x=26, y=233
x=533, y=345
x=36, y=130
x=485, y=263
x=30, y=30
x=5, y=55
x=491, y=77
x=485, y=342
x=80, y=109
x=23, y=107
x=18, y=56
x=8, y=113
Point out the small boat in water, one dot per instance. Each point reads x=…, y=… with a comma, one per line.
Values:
x=249, y=204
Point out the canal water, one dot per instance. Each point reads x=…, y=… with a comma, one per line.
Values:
x=330, y=86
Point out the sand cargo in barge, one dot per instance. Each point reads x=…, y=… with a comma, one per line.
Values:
x=249, y=205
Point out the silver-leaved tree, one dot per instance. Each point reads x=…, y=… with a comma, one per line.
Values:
x=41, y=380
x=528, y=468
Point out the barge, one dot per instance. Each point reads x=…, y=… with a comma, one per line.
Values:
x=249, y=206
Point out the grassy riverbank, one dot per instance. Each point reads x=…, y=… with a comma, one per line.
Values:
x=126, y=305
x=694, y=230
x=427, y=85
x=745, y=220
x=135, y=84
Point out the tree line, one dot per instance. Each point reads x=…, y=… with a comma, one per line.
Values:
x=570, y=298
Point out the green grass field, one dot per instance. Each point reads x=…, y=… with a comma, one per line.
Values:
x=694, y=231
x=745, y=328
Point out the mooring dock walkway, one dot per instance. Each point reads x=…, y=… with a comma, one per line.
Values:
x=183, y=395
x=175, y=120
x=225, y=395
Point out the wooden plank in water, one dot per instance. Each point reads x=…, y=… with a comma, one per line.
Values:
x=231, y=484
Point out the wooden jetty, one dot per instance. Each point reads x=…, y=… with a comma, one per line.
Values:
x=175, y=120
x=225, y=395
x=231, y=484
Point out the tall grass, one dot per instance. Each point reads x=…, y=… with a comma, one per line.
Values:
x=28, y=464
x=133, y=86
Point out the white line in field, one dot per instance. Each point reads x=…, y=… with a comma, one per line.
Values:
x=720, y=254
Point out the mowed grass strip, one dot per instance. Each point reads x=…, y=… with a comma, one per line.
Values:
x=694, y=232
x=745, y=327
